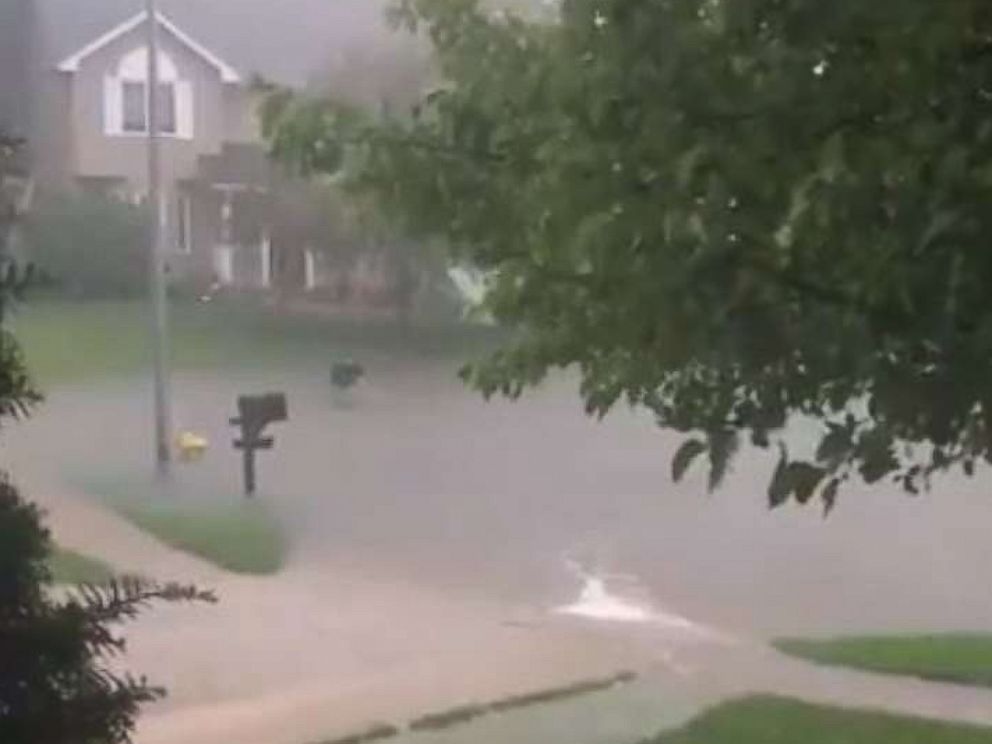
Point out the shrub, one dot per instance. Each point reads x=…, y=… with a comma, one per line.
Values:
x=55, y=683
x=88, y=245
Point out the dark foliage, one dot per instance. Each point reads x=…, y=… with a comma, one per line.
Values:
x=732, y=212
x=55, y=683
x=89, y=246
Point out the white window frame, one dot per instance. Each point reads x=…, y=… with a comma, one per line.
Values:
x=166, y=128
x=132, y=69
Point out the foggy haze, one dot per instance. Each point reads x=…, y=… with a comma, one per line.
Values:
x=251, y=346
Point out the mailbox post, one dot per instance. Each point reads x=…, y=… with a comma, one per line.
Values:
x=255, y=412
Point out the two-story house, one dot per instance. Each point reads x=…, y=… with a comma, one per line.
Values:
x=90, y=120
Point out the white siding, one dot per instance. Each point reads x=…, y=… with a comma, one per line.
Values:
x=113, y=106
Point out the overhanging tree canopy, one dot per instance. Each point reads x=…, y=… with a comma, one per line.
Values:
x=729, y=211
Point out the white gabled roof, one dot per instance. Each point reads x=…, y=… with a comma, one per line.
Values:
x=71, y=63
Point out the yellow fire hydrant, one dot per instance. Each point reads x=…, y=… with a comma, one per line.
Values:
x=191, y=446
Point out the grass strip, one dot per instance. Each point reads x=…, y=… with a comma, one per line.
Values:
x=376, y=732
x=768, y=719
x=961, y=658
x=464, y=713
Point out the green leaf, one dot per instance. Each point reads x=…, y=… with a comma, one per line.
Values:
x=804, y=480
x=829, y=496
x=833, y=157
x=677, y=205
x=759, y=438
x=689, y=451
x=877, y=452
x=779, y=487
x=940, y=223
x=687, y=165
x=835, y=446
x=722, y=446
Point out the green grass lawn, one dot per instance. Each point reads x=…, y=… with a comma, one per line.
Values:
x=965, y=658
x=70, y=341
x=190, y=514
x=69, y=567
x=774, y=720
x=242, y=537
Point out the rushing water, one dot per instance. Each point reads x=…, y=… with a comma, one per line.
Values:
x=424, y=478
x=596, y=602
x=535, y=504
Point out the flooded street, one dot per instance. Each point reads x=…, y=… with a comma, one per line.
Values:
x=503, y=545
x=422, y=479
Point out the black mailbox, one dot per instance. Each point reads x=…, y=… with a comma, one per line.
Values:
x=255, y=413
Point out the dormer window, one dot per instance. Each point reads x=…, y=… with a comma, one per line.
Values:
x=134, y=118
x=126, y=105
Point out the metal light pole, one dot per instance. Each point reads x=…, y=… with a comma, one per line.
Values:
x=156, y=263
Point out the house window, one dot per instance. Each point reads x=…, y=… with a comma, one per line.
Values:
x=135, y=109
x=166, y=108
x=126, y=100
x=134, y=119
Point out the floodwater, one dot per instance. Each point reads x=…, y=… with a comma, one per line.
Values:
x=528, y=500
x=524, y=505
